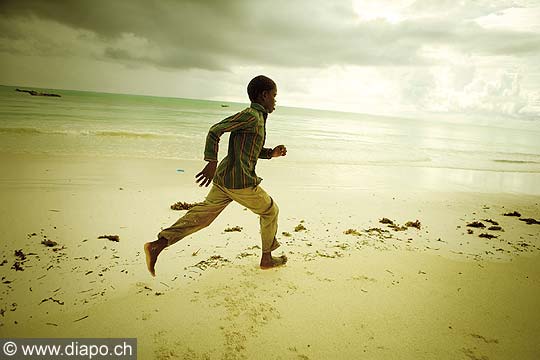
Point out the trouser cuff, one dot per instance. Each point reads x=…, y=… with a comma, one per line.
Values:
x=274, y=246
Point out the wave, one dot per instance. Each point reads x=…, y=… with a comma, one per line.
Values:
x=129, y=134
x=516, y=161
x=99, y=133
x=20, y=131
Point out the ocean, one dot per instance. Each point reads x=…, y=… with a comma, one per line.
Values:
x=119, y=125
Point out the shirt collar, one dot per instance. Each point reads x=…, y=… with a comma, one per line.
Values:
x=259, y=107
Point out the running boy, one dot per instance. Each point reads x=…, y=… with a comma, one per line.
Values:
x=235, y=178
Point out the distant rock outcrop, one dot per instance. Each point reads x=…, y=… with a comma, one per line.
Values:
x=35, y=93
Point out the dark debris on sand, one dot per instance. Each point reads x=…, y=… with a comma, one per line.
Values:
x=514, y=213
x=476, y=224
x=182, y=206
x=233, y=229
x=20, y=255
x=49, y=243
x=53, y=300
x=17, y=266
x=377, y=230
x=530, y=221
x=244, y=254
x=21, y=259
x=213, y=261
x=114, y=238
x=487, y=236
x=415, y=224
x=352, y=232
x=396, y=227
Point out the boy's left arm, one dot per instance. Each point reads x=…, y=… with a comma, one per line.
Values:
x=268, y=153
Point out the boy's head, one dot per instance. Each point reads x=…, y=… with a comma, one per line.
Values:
x=263, y=90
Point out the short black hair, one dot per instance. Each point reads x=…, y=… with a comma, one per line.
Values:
x=259, y=84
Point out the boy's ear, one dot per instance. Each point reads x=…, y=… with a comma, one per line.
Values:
x=261, y=95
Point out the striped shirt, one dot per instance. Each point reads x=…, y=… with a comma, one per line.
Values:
x=248, y=133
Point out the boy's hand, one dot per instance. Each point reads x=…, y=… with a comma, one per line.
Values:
x=279, y=150
x=207, y=174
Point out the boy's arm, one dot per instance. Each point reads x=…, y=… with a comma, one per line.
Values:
x=235, y=122
x=204, y=178
x=266, y=153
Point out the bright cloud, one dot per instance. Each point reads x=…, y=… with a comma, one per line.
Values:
x=391, y=11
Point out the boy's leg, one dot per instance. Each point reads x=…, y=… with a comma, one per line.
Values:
x=197, y=218
x=258, y=201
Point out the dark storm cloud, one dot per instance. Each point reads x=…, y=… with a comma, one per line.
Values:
x=216, y=35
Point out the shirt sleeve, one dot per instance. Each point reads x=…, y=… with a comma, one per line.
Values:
x=238, y=121
x=266, y=153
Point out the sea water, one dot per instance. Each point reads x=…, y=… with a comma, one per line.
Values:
x=119, y=125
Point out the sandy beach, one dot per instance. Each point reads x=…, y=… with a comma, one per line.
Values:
x=354, y=287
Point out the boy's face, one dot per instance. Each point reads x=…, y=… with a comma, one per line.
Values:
x=268, y=100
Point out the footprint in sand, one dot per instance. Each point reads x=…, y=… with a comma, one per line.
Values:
x=487, y=341
x=298, y=356
x=166, y=349
x=244, y=313
x=363, y=278
x=470, y=353
x=143, y=288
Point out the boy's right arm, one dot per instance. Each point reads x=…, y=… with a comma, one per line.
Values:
x=207, y=174
x=235, y=122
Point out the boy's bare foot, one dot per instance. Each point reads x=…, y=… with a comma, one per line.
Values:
x=152, y=250
x=268, y=261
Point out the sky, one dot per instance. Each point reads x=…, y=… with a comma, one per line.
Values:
x=400, y=57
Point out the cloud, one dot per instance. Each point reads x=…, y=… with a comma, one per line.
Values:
x=499, y=94
x=361, y=55
x=468, y=89
x=217, y=35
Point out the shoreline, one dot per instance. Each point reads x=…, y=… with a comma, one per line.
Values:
x=307, y=176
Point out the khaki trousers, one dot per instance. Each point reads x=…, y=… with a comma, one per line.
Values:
x=203, y=214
